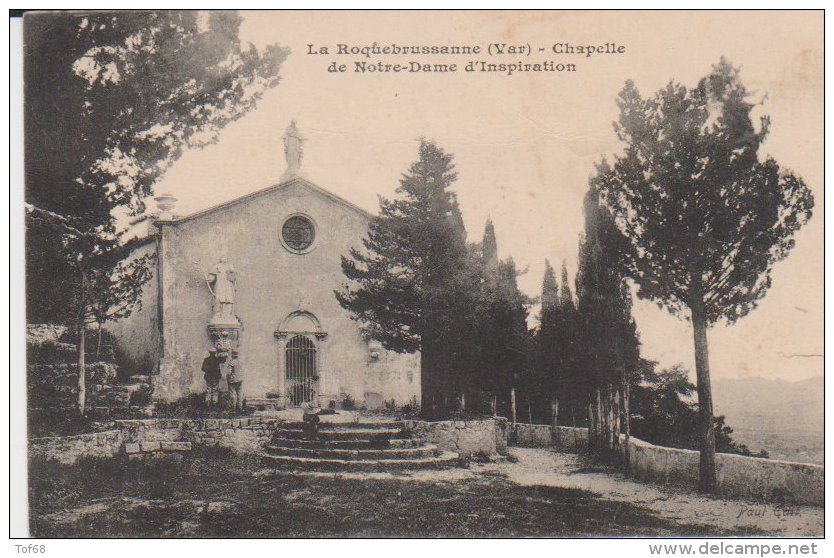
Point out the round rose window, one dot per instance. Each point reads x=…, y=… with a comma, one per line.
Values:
x=298, y=233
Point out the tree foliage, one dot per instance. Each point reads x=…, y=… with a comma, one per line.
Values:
x=664, y=412
x=501, y=339
x=604, y=299
x=559, y=342
x=112, y=100
x=705, y=218
x=410, y=287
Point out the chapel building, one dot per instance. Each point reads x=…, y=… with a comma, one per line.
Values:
x=258, y=274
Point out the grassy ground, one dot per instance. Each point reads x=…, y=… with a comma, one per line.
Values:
x=217, y=495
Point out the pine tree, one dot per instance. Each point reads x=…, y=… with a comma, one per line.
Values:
x=705, y=218
x=411, y=287
x=112, y=100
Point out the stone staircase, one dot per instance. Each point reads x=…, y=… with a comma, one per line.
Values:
x=354, y=446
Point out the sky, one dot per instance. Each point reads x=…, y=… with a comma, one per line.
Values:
x=525, y=144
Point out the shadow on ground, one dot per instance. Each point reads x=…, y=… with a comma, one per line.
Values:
x=214, y=494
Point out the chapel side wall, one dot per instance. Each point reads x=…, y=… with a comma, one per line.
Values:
x=138, y=334
x=272, y=282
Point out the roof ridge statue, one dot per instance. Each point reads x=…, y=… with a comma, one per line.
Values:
x=293, y=150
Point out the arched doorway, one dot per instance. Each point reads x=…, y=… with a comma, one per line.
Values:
x=301, y=377
x=301, y=370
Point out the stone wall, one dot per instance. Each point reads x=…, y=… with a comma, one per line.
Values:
x=567, y=437
x=487, y=436
x=531, y=435
x=738, y=475
x=246, y=436
x=241, y=435
x=138, y=334
x=543, y=435
x=69, y=449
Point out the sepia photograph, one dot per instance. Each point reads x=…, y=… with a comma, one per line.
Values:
x=423, y=274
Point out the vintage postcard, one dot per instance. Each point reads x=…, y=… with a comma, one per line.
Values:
x=457, y=274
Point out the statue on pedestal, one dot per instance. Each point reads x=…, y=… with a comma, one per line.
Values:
x=293, y=150
x=224, y=326
x=223, y=279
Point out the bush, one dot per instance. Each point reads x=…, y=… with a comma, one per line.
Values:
x=142, y=396
x=62, y=421
x=49, y=352
x=194, y=406
x=348, y=403
x=55, y=385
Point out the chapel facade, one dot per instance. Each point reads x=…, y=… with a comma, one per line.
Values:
x=258, y=274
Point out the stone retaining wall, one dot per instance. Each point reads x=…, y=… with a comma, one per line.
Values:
x=738, y=475
x=543, y=435
x=69, y=449
x=485, y=436
x=242, y=435
x=531, y=435
x=245, y=435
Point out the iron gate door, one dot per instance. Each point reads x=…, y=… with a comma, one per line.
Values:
x=302, y=376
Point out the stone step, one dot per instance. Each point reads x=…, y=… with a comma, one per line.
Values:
x=263, y=404
x=156, y=446
x=347, y=434
x=355, y=455
x=347, y=444
x=445, y=459
x=127, y=388
x=335, y=425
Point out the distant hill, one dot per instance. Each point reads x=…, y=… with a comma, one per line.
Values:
x=784, y=418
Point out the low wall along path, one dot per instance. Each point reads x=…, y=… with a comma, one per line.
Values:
x=738, y=475
x=246, y=435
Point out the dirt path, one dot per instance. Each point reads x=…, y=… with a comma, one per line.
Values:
x=545, y=467
x=538, y=466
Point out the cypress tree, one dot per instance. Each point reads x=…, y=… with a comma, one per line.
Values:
x=501, y=336
x=611, y=352
x=411, y=286
x=548, y=343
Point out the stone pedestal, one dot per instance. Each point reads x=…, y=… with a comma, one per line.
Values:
x=225, y=336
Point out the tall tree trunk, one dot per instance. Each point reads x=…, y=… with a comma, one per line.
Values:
x=512, y=404
x=428, y=387
x=82, y=339
x=529, y=412
x=627, y=423
x=82, y=368
x=495, y=405
x=591, y=425
x=554, y=412
x=706, y=434
x=598, y=418
x=609, y=418
x=617, y=418
x=98, y=344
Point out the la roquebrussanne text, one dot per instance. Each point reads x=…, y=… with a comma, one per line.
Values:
x=394, y=64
